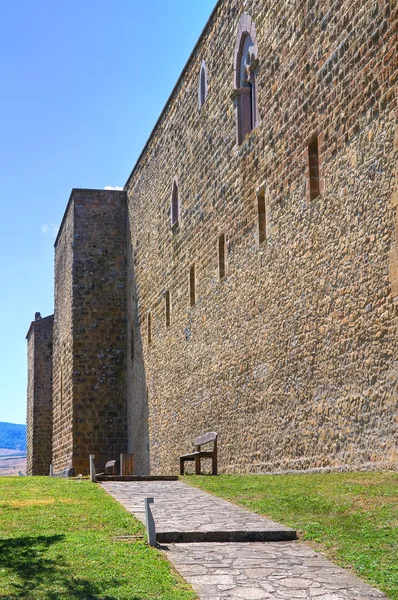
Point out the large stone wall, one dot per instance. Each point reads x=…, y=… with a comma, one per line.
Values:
x=90, y=415
x=39, y=404
x=63, y=346
x=291, y=357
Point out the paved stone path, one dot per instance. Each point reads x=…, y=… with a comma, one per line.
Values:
x=234, y=570
x=257, y=570
x=186, y=514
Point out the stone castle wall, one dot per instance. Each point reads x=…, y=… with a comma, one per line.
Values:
x=90, y=415
x=39, y=405
x=291, y=357
x=63, y=345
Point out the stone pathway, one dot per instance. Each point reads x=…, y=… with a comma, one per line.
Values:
x=231, y=569
x=186, y=514
x=278, y=570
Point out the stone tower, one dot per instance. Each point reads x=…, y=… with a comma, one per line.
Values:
x=89, y=390
x=39, y=407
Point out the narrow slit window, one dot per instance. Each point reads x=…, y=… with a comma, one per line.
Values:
x=202, y=87
x=149, y=323
x=174, y=205
x=221, y=255
x=313, y=163
x=192, y=295
x=202, y=91
x=167, y=307
x=262, y=218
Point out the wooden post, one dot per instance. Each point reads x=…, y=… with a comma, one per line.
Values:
x=197, y=461
x=126, y=464
x=214, y=458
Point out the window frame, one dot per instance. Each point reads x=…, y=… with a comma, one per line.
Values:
x=202, y=89
x=245, y=97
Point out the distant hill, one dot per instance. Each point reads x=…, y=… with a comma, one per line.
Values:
x=12, y=436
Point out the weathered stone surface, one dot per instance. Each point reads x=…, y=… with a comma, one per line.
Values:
x=183, y=513
x=89, y=394
x=39, y=404
x=278, y=570
x=250, y=570
x=291, y=357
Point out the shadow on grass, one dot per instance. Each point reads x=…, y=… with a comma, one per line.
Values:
x=42, y=577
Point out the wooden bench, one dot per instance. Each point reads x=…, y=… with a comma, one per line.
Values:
x=198, y=454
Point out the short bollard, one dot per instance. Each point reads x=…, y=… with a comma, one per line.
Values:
x=93, y=477
x=150, y=523
x=51, y=471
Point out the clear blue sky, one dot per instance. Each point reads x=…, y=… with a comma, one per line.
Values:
x=82, y=85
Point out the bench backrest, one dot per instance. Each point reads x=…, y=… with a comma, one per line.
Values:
x=205, y=438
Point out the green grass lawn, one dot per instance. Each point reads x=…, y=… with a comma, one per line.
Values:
x=58, y=542
x=351, y=517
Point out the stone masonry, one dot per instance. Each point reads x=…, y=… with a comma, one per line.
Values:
x=292, y=356
x=90, y=415
x=245, y=281
x=39, y=406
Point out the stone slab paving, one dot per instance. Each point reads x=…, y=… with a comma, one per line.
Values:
x=232, y=570
x=253, y=571
x=186, y=514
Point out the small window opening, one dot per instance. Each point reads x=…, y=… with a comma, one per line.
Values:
x=192, y=296
x=149, y=323
x=262, y=218
x=221, y=255
x=313, y=163
x=174, y=205
x=167, y=306
x=202, y=86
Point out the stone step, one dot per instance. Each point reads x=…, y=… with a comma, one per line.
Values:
x=187, y=537
x=102, y=477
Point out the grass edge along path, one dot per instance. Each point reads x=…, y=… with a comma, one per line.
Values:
x=63, y=539
x=351, y=517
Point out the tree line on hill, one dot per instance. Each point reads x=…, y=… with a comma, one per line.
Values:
x=12, y=436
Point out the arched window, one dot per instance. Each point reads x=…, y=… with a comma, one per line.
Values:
x=245, y=74
x=202, y=85
x=175, y=206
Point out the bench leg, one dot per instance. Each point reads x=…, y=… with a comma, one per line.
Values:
x=214, y=459
x=214, y=464
x=197, y=464
x=181, y=466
